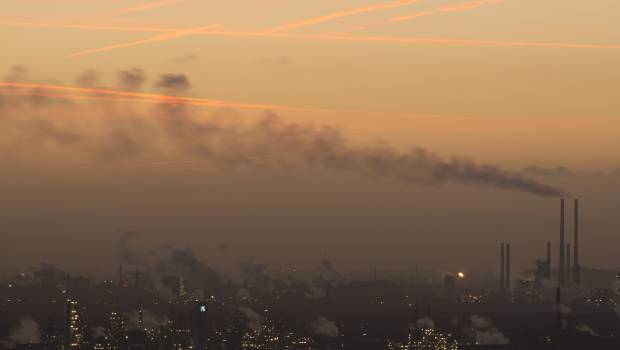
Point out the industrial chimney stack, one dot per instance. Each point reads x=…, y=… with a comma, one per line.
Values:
x=568, y=269
x=508, y=267
x=562, y=263
x=502, y=276
x=548, y=272
x=576, y=267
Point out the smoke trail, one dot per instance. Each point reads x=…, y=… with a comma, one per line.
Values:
x=269, y=141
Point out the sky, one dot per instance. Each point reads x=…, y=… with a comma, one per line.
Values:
x=282, y=130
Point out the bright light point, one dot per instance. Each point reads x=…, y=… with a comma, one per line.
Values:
x=461, y=275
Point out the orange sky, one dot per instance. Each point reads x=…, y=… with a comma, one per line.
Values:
x=513, y=83
x=381, y=64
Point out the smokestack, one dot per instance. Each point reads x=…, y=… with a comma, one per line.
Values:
x=568, y=263
x=576, y=267
x=120, y=274
x=508, y=267
x=562, y=264
x=502, y=277
x=548, y=272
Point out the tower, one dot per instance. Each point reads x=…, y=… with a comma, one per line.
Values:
x=548, y=272
x=562, y=263
x=576, y=267
x=502, y=276
x=508, y=267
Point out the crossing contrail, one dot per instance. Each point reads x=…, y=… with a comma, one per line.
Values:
x=158, y=38
x=341, y=14
x=465, y=6
x=247, y=34
x=138, y=8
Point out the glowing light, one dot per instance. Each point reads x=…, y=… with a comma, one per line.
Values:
x=461, y=275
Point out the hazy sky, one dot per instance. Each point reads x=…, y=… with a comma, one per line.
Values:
x=513, y=83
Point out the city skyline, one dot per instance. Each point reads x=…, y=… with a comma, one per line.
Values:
x=354, y=174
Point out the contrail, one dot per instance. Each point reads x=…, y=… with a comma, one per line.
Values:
x=153, y=97
x=154, y=39
x=429, y=41
x=329, y=37
x=93, y=27
x=139, y=8
x=465, y=6
x=341, y=14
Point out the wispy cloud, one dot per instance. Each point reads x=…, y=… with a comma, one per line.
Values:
x=155, y=39
x=340, y=14
x=465, y=6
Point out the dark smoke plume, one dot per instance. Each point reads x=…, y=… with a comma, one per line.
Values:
x=557, y=171
x=132, y=79
x=120, y=134
x=173, y=82
x=89, y=78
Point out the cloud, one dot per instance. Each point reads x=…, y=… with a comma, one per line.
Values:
x=173, y=82
x=491, y=337
x=315, y=292
x=132, y=79
x=98, y=332
x=557, y=171
x=147, y=318
x=323, y=326
x=479, y=322
x=256, y=275
x=89, y=78
x=26, y=332
x=425, y=322
x=486, y=333
x=16, y=73
x=564, y=309
x=254, y=320
x=586, y=329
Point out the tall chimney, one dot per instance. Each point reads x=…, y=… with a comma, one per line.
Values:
x=576, y=267
x=508, y=267
x=568, y=280
x=548, y=272
x=562, y=264
x=502, y=276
